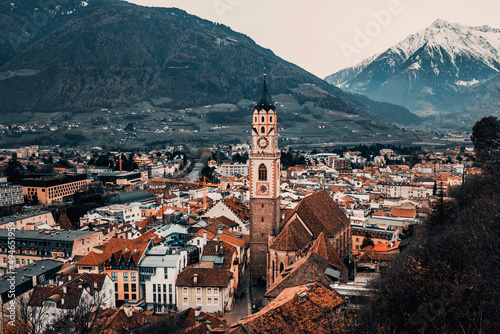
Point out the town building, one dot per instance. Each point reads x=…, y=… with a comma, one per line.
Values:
x=158, y=272
x=120, y=260
x=48, y=190
x=10, y=194
x=26, y=278
x=74, y=293
x=31, y=246
x=210, y=288
x=30, y=220
x=227, y=169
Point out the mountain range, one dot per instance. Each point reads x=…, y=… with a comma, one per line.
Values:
x=82, y=56
x=436, y=69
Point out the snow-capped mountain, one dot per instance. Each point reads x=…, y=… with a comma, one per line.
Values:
x=427, y=69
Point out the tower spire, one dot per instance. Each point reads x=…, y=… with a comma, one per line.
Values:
x=265, y=102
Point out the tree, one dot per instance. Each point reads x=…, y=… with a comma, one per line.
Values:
x=486, y=139
x=13, y=170
x=367, y=241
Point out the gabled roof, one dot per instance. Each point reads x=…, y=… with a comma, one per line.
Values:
x=321, y=214
x=307, y=269
x=207, y=277
x=220, y=248
x=67, y=295
x=307, y=308
x=118, y=249
x=292, y=237
x=325, y=249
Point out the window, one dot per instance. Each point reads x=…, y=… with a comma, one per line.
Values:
x=216, y=301
x=216, y=291
x=125, y=287
x=159, y=287
x=132, y=277
x=125, y=276
x=154, y=287
x=134, y=296
x=209, y=301
x=185, y=301
x=185, y=291
x=270, y=119
x=262, y=172
x=165, y=270
x=116, y=286
x=164, y=288
x=114, y=276
x=125, y=296
x=262, y=130
x=154, y=298
x=262, y=119
x=198, y=291
x=170, y=288
x=134, y=287
x=198, y=301
x=209, y=291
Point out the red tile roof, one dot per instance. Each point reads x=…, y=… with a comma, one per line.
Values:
x=289, y=313
x=117, y=249
x=207, y=277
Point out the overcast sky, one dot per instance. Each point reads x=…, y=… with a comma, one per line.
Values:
x=324, y=36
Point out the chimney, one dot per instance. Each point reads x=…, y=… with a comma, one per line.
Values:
x=303, y=297
x=205, y=235
x=128, y=311
x=195, y=279
x=69, y=278
x=197, y=311
x=62, y=301
x=216, y=248
x=65, y=289
x=209, y=324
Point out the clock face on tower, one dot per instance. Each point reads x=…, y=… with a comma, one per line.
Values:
x=262, y=189
x=262, y=142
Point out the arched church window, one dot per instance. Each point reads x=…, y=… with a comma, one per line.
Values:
x=262, y=172
x=262, y=119
x=281, y=267
x=262, y=130
x=255, y=119
x=272, y=276
x=270, y=119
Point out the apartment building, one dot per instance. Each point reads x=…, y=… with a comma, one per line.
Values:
x=34, y=245
x=54, y=188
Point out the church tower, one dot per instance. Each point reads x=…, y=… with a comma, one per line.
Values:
x=264, y=174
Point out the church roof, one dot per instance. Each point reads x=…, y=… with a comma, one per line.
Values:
x=265, y=102
x=325, y=249
x=321, y=214
x=293, y=237
x=309, y=268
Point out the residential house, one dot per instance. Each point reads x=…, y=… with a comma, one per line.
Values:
x=210, y=288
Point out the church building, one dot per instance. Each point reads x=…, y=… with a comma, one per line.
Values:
x=279, y=238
